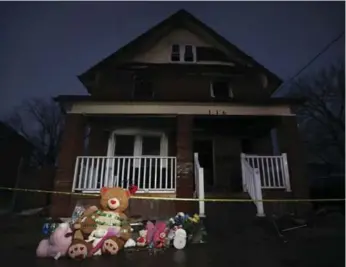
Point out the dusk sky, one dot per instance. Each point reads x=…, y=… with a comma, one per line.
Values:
x=45, y=45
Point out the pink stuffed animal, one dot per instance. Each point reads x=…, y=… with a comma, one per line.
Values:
x=160, y=235
x=57, y=244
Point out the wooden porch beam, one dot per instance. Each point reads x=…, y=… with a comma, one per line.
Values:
x=171, y=108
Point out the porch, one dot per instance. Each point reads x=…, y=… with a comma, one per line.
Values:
x=158, y=175
x=160, y=155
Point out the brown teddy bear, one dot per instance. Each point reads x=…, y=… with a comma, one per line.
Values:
x=114, y=201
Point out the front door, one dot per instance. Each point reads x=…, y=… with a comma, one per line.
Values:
x=204, y=148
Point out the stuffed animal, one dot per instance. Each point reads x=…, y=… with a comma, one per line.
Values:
x=142, y=239
x=57, y=244
x=96, y=237
x=82, y=228
x=150, y=228
x=130, y=243
x=114, y=202
x=160, y=235
x=179, y=241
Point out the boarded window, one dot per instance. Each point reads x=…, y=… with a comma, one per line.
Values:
x=188, y=55
x=175, y=53
x=210, y=54
x=151, y=145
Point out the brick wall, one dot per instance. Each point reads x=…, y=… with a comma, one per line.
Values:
x=72, y=146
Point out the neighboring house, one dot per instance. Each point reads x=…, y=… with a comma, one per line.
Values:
x=14, y=156
x=179, y=112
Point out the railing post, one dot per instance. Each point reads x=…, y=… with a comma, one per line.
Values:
x=242, y=159
x=286, y=172
x=258, y=193
x=201, y=192
x=75, y=174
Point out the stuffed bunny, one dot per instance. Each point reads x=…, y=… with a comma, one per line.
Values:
x=57, y=244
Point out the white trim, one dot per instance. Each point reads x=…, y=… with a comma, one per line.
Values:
x=182, y=48
x=169, y=108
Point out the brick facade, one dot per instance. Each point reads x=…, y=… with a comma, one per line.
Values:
x=185, y=182
x=72, y=146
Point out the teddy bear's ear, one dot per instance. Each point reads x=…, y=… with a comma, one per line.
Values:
x=104, y=190
x=132, y=190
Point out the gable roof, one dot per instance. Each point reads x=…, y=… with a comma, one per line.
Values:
x=184, y=19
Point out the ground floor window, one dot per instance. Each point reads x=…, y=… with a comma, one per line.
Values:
x=137, y=143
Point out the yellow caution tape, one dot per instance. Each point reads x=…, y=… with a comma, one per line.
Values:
x=178, y=199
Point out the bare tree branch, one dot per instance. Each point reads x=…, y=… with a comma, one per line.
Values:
x=41, y=122
x=322, y=116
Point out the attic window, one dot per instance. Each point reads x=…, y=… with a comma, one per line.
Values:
x=142, y=88
x=183, y=53
x=221, y=89
x=189, y=55
x=175, y=54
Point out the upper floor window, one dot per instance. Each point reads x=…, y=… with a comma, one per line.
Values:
x=142, y=88
x=175, y=54
x=189, y=54
x=221, y=89
x=183, y=53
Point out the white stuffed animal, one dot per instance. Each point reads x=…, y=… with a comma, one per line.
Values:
x=179, y=241
x=96, y=237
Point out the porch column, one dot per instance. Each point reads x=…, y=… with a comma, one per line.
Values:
x=185, y=182
x=290, y=142
x=72, y=145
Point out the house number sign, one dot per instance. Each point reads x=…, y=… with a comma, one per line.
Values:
x=217, y=112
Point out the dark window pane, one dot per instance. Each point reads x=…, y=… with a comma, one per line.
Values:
x=175, y=55
x=220, y=89
x=151, y=145
x=211, y=54
x=188, y=56
x=124, y=145
x=175, y=48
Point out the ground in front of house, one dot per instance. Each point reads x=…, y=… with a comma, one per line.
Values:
x=248, y=243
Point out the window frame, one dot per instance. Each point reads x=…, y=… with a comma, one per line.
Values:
x=182, y=49
x=138, y=142
x=230, y=89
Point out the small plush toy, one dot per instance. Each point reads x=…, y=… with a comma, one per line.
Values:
x=150, y=227
x=179, y=241
x=96, y=237
x=57, y=244
x=130, y=243
x=142, y=239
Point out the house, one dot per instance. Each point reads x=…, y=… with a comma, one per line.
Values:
x=14, y=156
x=180, y=112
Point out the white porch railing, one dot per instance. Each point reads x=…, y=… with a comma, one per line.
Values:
x=273, y=170
x=199, y=185
x=152, y=174
x=252, y=185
